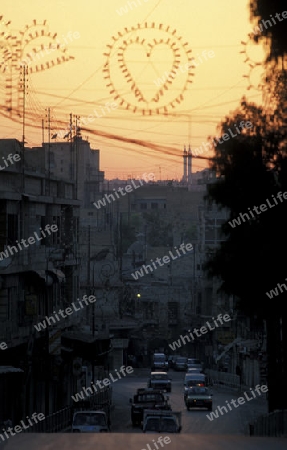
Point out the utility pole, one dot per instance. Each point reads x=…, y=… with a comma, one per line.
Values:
x=49, y=149
x=90, y=290
x=24, y=75
x=76, y=147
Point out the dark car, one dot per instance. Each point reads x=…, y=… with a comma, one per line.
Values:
x=159, y=362
x=194, y=380
x=160, y=380
x=147, y=398
x=194, y=370
x=180, y=363
x=198, y=397
x=193, y=363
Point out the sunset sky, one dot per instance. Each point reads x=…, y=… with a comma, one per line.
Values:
x=121, y=49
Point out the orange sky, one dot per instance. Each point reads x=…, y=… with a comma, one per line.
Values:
x=137, y=42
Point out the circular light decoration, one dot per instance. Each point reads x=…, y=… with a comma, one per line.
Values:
x=148, y=68
x=256, y=63
x=33, y=48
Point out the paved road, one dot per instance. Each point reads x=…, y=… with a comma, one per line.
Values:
x=235, y=422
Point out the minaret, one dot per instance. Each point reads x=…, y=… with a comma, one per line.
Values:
x=184, y=165
x=189, y=164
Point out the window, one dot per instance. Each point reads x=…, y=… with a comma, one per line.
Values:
x=143, y=205
x=154, y=206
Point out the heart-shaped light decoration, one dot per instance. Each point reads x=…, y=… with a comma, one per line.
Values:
x=137, y=65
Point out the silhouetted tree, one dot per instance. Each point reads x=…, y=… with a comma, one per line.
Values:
x=251, y=169
x=275, y=29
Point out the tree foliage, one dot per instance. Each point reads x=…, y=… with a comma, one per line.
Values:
x=276, y=33
x=251, y=168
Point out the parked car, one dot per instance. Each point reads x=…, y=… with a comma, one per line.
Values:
x=198, y=397
x=194, y=380
x=159, y=380
x=180, y=363
x=90, y=422
x=159, y=362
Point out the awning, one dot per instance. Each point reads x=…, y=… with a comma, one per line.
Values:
x=78, y=336
x=66, y=349
x=10, y=369
x=58, y=273
x=41, y=273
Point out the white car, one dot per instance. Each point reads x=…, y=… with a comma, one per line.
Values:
x=159, y=380
x=90, y=422
x=194, y=379
x=162, y=421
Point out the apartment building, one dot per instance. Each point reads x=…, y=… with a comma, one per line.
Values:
x=49, y=233
x=39, y=222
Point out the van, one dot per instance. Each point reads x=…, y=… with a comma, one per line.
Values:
x=194, y=379
x=90, y=422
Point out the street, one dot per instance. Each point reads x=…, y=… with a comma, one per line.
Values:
x=235, y=422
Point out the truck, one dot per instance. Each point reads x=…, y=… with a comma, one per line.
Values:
x=161, y=421
x=147, y=398
x=90, y=422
